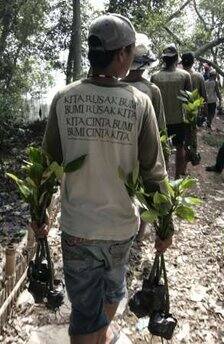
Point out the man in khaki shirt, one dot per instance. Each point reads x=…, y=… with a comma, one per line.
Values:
x=171, y=81
x=143, y=58
x=187, y=60
x=114, y=125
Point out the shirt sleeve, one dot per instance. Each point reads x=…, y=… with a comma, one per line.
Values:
x=202, y=89
x=150, y=154
x=52, y=142
x=159, y=109
x=188, y=83
x=218, y=91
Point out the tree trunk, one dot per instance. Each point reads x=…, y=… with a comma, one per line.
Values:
x=73, y=70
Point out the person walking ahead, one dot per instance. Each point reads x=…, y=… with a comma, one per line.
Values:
x=171, y=81
x=187, y=60
x=213, y=93
x=114, y=125
x=143, y=58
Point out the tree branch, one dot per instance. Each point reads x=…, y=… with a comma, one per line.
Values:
x=179, y=11
x=199, y=16
x=202, y=49
x=214, y=65
x=209, y=45
x=171, y=33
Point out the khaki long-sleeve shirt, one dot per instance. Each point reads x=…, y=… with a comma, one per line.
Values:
x=154, y=94
x=115, y=126
x=170, y=83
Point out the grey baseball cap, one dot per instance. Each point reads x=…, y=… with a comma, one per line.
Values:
x=113, y=30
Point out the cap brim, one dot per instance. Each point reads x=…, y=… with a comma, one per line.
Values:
x=169, y=54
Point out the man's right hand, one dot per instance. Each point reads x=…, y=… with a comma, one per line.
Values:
x=162, y=245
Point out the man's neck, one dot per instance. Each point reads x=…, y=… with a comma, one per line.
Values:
x=170, y=68
x=107, y=73
x=189, y=69
x=133, y=77
x=103, y=80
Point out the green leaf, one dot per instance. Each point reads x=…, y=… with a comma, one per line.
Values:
x=163, y=138
x=192, y=200
x=141, y=198
x=135, y=174
x=187, y=183
x=189, y=93
x=160, y=198
x=30, y=182
x=149, y=216
x=23, y=189
x=190, y=106
x=35, y=155
x=168, y=187
x=46, y=174
x=183, y=99
x=14, y=178
x=195, y=94
x=175, y=184
x=185, y=213
x=25, y=193
x=75, y=164
x=56, y=169
x=35, y=172
x=197, y=103
x=184, y=93
x=42, y=197
x=121, y=174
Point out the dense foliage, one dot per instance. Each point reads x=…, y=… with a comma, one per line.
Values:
x=192, y=24
x=36, y=36
x=34, y=42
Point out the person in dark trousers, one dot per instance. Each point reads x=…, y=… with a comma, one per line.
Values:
x=171, y=80
x=213, y=94
x=114, y=125
x=219, y=166
x=187, y=60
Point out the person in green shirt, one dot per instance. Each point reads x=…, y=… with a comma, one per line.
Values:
x=171, y=80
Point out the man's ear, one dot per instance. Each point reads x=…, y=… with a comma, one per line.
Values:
x=121, y=55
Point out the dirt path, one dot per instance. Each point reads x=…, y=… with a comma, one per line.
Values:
x=194, y=264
